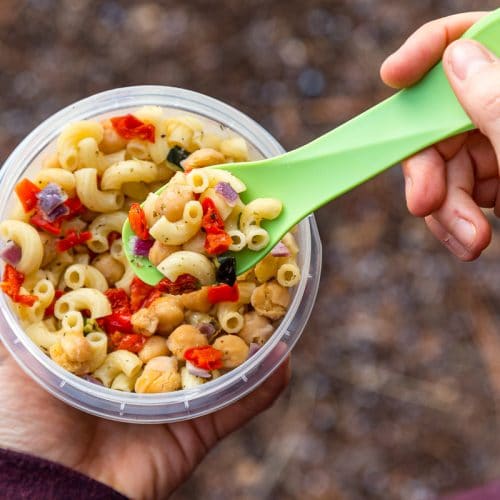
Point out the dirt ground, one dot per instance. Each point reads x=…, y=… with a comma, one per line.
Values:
x=396, y=384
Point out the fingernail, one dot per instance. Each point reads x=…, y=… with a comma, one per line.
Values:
x=467, y=58
x=464, y=232
x=454, y=246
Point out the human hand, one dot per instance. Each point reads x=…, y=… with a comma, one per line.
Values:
x=449, y=182
x=140, y=461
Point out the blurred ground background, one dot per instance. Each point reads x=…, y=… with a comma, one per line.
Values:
x=396, y=380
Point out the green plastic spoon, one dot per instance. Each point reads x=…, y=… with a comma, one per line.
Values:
x=314, y=174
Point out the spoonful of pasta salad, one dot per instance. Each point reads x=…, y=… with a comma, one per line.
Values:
x=217, y=222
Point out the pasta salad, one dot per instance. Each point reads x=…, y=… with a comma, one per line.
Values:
x=73, y=290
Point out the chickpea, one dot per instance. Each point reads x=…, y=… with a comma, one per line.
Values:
x=145, y=321
x=76, y=347
x=160, y=375
x=111, y=142
x=49, y=248
x=184, y=337
x=270, y=300
x=197, y=301
x=159, y=252
x=171, y=202
x=154, y=346
x=234, y=350
x=73, y=353
x=169, y=312
x=203, y=158
x=109, y=267
x=256, y=328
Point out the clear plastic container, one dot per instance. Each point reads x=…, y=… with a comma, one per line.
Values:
x=179, y=405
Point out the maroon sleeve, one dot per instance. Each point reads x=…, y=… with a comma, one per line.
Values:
x=25, y=476
x=490, y=491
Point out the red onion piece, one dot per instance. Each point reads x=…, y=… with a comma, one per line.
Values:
x=253, y=348
x=197, y=372
x=49, y=199
x=141, y=247
x=11, y=253
x=59, y=211
x=206, y=328
x=280, y=250
x=227, y=192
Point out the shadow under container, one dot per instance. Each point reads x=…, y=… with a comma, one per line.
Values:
x=183, y=404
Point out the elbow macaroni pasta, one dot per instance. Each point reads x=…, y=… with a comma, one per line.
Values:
x=26, y=237
x=179, y=232
x=92, y=197
x=101, y=227
x=128, y=171
x=72, y=134
x=83, y=299
x=63, y=178
x=186, y=262
x=116, y=363
x=84, y=276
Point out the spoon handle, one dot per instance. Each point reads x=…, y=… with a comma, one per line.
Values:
x=363, y=147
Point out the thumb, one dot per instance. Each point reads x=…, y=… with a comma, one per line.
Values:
x=474, y=74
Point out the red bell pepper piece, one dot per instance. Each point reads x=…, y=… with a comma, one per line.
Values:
x=130, y=127
x=11, y=286
x=223, y=293
x=183, y=284
x=155, y=294
x=139, y=292
x=118, y=299
x=211, y=221
x=75, y=206
x=205, y=357
x=119, y=321
x=72, y=239
x=138, y=223
x=132, y=342
x=26, y=192
x=41, y=223
x=217, y=243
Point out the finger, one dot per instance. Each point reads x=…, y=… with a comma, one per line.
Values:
x=231, y=418
x=448, y=148
x=482, y=155
x=474, y=74
x=425, y=182
x=424, y=49
x=485, y=193
x=460, y=224
x=485, y=166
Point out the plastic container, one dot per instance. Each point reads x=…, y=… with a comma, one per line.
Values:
x=173, y=406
